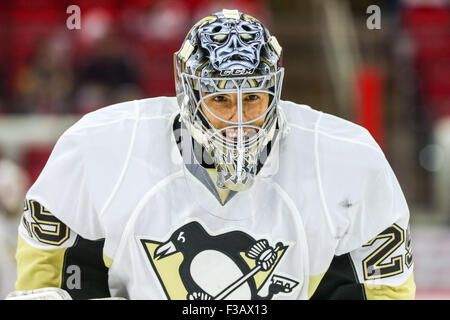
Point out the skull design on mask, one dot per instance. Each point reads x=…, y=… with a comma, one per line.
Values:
x=233, y=45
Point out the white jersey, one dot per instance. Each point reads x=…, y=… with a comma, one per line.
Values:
x=327, y=190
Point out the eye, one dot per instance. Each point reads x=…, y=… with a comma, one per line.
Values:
x=219, y=98
x=252, y=97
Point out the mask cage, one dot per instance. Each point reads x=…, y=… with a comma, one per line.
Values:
x=195, y=87
x=235, y=159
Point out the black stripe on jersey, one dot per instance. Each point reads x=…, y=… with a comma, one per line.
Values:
x=340, y=282
x=85, y=275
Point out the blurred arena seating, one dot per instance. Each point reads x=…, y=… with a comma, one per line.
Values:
x=122, y=52
x=429, y=30
x=428, y=27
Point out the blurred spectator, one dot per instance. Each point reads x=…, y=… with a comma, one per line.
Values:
x=45, y=84
x=164, y=21
x=106, y=75
x=13, y=184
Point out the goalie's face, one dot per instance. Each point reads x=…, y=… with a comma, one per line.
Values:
x=220, y=107
x=236, y=132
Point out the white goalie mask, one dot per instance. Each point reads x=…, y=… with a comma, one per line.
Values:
x=230, y=54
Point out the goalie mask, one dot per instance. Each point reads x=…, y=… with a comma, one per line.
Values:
x=228, y=79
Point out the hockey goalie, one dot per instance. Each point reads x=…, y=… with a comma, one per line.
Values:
x=222, y=192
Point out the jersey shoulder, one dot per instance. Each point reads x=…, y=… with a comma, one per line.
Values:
x=106, y=138
x=108, y=132
x=92, y=156
x=328, y=127
x=353, y=175
x=110, y=116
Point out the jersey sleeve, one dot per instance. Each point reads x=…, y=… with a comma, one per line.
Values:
x=64, y=186
x=381, y=269
x=50, y=254
x=381, y=203
x=384, y=263
x=373, y=258
x=61, y=238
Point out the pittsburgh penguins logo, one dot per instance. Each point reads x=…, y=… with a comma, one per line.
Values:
x=192, y=264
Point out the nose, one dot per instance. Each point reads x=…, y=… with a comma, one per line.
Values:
x=235, y=116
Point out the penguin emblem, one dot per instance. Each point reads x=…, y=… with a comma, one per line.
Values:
x=192, y=264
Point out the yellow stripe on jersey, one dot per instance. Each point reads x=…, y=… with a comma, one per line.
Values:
x=314, y=282
x=38, y=268
x=107, y=260
x=406, y=291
